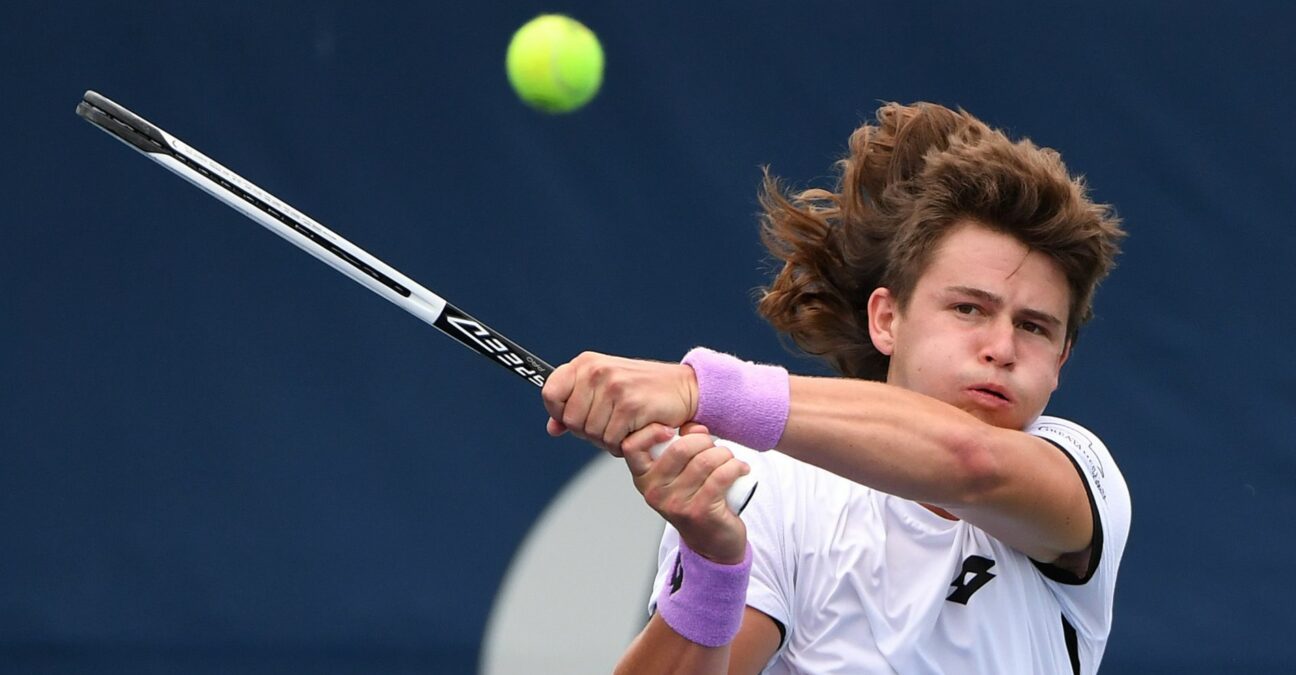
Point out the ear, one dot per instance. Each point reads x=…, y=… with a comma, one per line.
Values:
x=1062, y=359
x=883, y=309
x=1066, y=354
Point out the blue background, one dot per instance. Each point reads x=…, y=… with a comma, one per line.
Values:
x=218, y=455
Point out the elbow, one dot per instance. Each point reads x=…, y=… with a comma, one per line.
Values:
x=976, y=466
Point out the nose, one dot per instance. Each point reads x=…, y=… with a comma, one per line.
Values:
x=999, y=345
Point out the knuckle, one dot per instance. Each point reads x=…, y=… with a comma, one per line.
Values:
x=571, y=420
x=677, y=452
x=660, y=499
x=706, y=463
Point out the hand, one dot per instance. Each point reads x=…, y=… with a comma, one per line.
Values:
x=687, y=486
x=603, y=399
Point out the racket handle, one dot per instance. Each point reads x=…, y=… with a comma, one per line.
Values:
x=739, y=493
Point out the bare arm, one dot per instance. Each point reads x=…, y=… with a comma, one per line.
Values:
x=686, y=485
x=1016, y=487
x=658, y=649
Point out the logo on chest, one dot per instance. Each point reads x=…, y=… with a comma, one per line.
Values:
x=975, y=574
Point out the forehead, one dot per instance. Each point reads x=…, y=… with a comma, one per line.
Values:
x=975, y=256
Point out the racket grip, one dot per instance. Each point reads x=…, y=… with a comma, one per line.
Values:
x=739, y=493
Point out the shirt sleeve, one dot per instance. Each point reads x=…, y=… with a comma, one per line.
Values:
x=1086, y=599
x=770, y=587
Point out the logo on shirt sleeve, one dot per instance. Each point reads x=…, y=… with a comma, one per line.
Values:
x=1079, y=446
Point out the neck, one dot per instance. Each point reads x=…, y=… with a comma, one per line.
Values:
x=940, y=512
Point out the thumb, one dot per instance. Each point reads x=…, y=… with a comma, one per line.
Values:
x=693, y=428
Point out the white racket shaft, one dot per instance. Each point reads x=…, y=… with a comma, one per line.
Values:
x=319, y=241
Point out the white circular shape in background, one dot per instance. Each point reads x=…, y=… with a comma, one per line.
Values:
x=576, y=592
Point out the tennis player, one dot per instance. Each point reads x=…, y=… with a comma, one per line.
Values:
x=918, y=514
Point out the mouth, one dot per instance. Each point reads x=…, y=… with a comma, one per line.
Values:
x=990, y=394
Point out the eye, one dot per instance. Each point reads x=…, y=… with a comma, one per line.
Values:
x=1034, y=328
x=967, y=309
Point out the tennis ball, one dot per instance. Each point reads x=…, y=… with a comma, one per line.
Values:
x=555, y=63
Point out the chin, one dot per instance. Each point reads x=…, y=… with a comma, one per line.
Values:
x=996, y=418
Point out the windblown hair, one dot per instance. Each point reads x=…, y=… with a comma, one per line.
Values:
x=906, y=181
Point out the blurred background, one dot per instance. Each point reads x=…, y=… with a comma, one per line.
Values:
x=218, y=455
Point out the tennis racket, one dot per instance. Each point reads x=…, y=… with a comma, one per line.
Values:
x=340, y=254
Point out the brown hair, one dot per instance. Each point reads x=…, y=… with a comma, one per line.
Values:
x=904, y=182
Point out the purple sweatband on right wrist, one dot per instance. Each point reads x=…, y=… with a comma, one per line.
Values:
x=704, y=600
x=740, y=401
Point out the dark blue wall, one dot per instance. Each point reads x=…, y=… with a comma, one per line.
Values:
x=216, y=454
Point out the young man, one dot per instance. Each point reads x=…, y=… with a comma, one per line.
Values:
x=919, y=515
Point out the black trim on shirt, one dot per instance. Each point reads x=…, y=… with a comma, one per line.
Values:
x=1072, y=645
x=1064, y=576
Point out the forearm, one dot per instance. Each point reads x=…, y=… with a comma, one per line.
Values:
x=890, y=439
x=903, y=443
x=658, y=649
x=701, y=619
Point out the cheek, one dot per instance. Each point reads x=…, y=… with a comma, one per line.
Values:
x=929, y=363
x=1052, y=371
x=1043, y=383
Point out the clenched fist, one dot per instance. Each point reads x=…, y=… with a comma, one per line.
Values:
x=607, y=399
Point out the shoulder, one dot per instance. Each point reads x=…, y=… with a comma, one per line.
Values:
x=1109, y=496
x=1087, y=450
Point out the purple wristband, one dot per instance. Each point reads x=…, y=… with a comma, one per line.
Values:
x=704, y=600
x=744, y=402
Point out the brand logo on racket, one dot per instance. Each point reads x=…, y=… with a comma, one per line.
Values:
x=492, y=346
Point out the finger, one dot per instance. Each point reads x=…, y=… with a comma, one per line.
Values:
x=622, y=424
x=715, y=489
x=699, y=468
x=578, y=402
x=614, y=406
x=668, y=467
x=639, y=463
x=697, y=494
x=555, y=428
x=642, y=440
x=637, y=450
x=596, y=422
x=557, y=389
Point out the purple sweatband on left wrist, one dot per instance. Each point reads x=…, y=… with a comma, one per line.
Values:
x=704, y=600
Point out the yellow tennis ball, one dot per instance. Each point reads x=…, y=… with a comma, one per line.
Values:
x=555, y=63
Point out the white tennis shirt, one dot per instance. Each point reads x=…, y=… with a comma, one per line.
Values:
x=865, y=582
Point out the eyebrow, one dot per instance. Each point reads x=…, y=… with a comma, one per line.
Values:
x=1036, y=315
